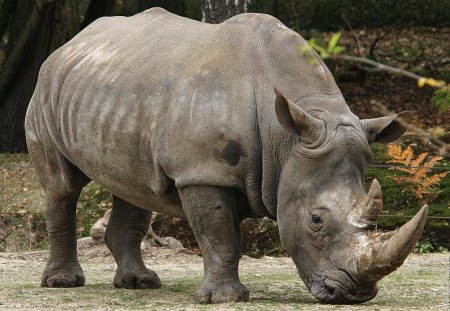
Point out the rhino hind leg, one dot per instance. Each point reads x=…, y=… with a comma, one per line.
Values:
x=211, y=212
x=62, y=183
x=126, y=229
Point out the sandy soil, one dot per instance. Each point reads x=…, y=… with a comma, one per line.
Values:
x=421, y=283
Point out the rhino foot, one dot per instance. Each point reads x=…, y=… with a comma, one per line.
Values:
x=134, y=280
x=62, y=279
x=222, y=292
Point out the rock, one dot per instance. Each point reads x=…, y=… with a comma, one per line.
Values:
x=171, y=243
x=186, y=251
x=97, y=231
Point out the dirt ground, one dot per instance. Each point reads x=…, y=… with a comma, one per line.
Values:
x=422, y=283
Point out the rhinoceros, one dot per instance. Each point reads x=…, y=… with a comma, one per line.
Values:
x=216, y=123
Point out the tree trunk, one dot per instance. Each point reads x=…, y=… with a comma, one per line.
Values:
x=37, y=28
x=98, y=8
x=6, y=10
x=217, y=11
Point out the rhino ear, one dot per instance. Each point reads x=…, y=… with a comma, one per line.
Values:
x=384, y=129
x=296, y=120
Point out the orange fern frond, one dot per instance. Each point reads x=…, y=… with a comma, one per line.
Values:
x=418, y=193
x=433, y=181
x=418, y=161
x=401, y=169
x=395, y=153
x=407, y=155
x=416, y=179
x=432, y=161
x=398, y=155
x=429, y=183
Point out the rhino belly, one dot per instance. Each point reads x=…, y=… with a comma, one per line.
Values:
x=127, y=177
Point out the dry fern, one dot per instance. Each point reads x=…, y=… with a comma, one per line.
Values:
x=418, y=177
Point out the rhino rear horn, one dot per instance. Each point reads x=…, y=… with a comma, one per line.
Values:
x=383, y=253
x=372, y=204
x=298, y=121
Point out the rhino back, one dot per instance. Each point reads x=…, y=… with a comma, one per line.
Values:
x=139, y=102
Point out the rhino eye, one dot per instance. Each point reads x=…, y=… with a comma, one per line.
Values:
x=316, y=219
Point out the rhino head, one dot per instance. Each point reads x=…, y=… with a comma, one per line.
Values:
x=326, y=219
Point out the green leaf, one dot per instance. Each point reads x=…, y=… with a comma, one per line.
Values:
x=320, y=49
x=441, y=99
x=333, y=41
x=338, y=50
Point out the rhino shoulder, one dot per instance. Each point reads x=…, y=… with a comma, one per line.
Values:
x=263, y=24
x=149, y=14
x=156, y=11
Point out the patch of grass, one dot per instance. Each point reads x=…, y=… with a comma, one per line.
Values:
x=6, y=158
x=22, y=221
x=182, y=285
x=67, y=299
x=19, y=190
x=419, y=284
x=23, y=232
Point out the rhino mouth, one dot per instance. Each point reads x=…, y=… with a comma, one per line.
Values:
x=346, y=291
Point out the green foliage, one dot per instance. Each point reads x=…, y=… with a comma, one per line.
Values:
x=331, y=49
x=260, y=237
x=424, y=247
x=442, y=249
x=325, y=50
x=441, y=99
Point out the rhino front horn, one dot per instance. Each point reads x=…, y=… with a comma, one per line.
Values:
x=381, y=253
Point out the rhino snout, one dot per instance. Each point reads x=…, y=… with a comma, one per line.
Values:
x=328, y=291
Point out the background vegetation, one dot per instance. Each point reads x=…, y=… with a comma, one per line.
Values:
x=22, y=225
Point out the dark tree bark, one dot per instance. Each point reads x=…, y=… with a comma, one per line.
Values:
x=98, y=8
x=36, y=29
x=6, y=10
x=217, y=11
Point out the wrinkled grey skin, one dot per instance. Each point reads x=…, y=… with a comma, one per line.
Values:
x=210, y=122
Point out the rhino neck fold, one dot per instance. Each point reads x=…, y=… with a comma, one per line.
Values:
x=275, y=149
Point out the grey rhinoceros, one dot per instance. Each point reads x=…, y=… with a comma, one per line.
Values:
x=215, y=123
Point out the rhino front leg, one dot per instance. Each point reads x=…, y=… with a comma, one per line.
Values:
x=211, y=212
x=126, y=228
